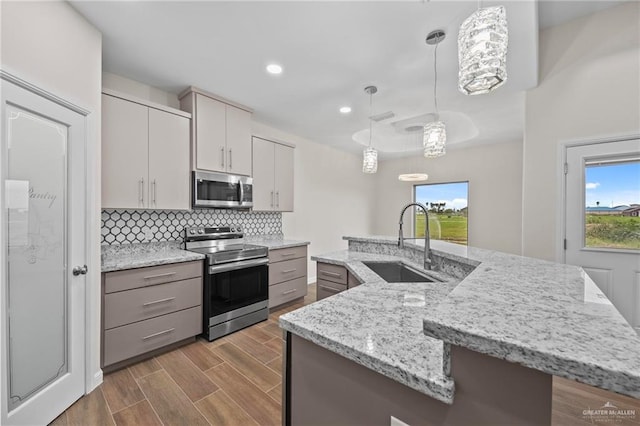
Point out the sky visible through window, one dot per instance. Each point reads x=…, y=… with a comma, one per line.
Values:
x=612, y=185
x=453, y=194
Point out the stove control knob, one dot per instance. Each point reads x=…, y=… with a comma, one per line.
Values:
x=200, y=231
x=192, y=231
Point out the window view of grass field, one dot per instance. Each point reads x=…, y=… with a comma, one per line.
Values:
x=612, y=205
x=448, y=211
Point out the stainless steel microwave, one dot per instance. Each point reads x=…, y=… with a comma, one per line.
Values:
x=222, y=191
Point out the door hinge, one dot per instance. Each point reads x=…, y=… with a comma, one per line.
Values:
x=565, y=243
x=566, y=168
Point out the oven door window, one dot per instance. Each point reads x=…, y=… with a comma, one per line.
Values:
x=209, y=190
x=235, y=289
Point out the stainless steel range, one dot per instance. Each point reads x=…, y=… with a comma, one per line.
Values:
x=236, y=279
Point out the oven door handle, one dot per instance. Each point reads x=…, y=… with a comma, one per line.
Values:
x=233, y=266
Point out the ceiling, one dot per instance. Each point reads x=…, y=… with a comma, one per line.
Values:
x=329, y=51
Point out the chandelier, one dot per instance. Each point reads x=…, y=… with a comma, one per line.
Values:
x=370, y=155
x=482, y=51
x=435, y=134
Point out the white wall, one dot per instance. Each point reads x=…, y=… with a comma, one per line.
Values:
x=589, y=88
x=52, y=46
x=332, y=196
x=494, y=173
x=140, y=90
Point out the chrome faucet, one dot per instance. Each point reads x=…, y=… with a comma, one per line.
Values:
x=427, y=243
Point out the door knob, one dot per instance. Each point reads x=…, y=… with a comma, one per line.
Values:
x=80, y=270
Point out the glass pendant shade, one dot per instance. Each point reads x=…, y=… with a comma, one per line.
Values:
x=482, y=51
x=435, y=139
x=370, y=160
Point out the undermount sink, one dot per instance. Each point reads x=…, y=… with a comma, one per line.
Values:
x=397, y=272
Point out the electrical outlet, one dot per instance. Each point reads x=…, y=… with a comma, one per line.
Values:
x=148, y=235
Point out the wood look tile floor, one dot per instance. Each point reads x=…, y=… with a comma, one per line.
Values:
x=236, y=380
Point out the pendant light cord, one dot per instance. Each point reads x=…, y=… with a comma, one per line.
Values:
x=370, y=115
x=435, y=84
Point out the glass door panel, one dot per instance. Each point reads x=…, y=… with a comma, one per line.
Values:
x=36, y=199
x=612, y=204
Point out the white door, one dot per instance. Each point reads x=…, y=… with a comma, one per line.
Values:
x=284, y=177
x=263, y=175
x=42, y=214
x=602, y=224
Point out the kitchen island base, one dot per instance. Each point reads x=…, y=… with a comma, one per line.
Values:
x=322, y=387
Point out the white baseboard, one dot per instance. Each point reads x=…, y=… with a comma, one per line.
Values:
x=311, y=280
x=95, y=381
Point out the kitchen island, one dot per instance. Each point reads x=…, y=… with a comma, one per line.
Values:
x=481, y=346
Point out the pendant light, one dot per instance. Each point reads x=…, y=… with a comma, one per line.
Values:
x=414, y=176
x=370, y=155
x=435, y=133
x=482, y=51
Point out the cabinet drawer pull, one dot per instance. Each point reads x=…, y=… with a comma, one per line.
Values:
x=168, y=274
x=333, y=290
x=168, y=299
x=159, y=333
x=287, y=271
x=287, y=254
x=331, y=274
x=289, y=291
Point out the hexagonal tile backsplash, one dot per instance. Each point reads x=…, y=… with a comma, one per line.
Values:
x=142, y=226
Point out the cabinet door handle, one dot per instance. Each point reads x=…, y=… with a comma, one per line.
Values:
x=331, y=274
x=230, y=160
x=332, y=290
x=272, y=198
x=168, y=299
x=289, y=291
x=153, y=192
x=168, y=274
x=222, y=157
x=278, y=199
x=141, y=191
x=288, y=271
x=160, y=333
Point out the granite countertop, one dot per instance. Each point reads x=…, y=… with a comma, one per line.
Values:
x=379, y=325
x=129, y=256
x=274, y=241
x=543, y=315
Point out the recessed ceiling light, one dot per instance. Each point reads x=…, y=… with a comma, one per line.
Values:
x=274, y=69
x=345, y=109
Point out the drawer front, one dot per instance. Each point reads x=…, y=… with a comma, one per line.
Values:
x=335, y=273
x=135, y=339
x=286, y=291
x=287, y=270
x=125, y=307
x=278, y=255
x=142, y=277
x=328, y=288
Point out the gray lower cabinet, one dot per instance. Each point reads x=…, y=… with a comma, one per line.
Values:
x=333, y=279
x=146, y=309
x=287, y=275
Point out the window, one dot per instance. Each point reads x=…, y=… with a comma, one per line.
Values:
x=448, y=211
x=612, y=204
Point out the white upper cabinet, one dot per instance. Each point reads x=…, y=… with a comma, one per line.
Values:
x=145, y=156
x=221, y=133
x=168, y=161
x=125, y=150
x=272, y=176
